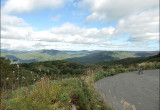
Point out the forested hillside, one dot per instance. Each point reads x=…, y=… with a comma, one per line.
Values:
x=83, y=56
x=110, y=56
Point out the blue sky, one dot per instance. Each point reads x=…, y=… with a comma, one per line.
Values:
x=80, y=25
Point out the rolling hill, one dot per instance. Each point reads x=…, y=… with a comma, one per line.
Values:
x=83, y=56
x=111, y=55
x=41, y=55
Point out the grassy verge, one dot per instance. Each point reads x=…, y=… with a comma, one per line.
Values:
x=122, y=69
x=49, y=95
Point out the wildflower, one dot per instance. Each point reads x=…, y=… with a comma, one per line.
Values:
x=31, y=72
x=23, y=77
x=34, y=79
x=17, y=66
x=42, y=78
x=40, y=69
x=7, y=78
x=13, y=72
x=17, y=78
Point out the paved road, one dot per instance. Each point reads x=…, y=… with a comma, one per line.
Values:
x=130, y=91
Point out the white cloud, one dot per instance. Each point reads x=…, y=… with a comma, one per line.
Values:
x=14, y=44
x=112, y=10
x=13, y=27
x=67, y=33
x=17, y=34
x=70, y=29
x=7, y=20
x=20, y=6
x=142, y=27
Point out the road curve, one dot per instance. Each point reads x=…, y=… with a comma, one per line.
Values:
x=130, y=91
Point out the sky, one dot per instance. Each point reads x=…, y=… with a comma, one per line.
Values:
x=126, y=25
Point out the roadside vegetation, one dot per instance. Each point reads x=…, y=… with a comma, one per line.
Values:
x=111, y=68
x=48, y=94
x=61, y=85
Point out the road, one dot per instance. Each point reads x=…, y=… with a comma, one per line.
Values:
x=130, y=91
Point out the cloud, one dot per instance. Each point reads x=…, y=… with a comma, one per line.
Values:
x=72, y=30
x=15, y=44
x=8, y=20
x=13, y=27
x=142, y=27
x=67, y=33
x=16, y=32
x=113, y=10
x=21, y=6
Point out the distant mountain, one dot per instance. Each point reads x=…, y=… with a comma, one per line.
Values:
x=128, y=61
x=50, y=52
x=111, y=55
x=83, y=56
x=13, y=58
x=42, y=55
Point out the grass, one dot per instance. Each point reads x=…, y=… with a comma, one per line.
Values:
x=113, y=70
x=48, y=95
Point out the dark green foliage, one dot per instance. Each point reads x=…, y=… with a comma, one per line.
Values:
x=27, y=73
x=55, y=67
x=128, y=61
x=110, y=56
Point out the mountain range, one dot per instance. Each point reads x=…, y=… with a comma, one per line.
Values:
x=83, y=56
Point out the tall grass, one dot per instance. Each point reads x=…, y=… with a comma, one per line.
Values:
x=49, y=95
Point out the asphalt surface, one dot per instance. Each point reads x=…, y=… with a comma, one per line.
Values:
x=130, y=91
